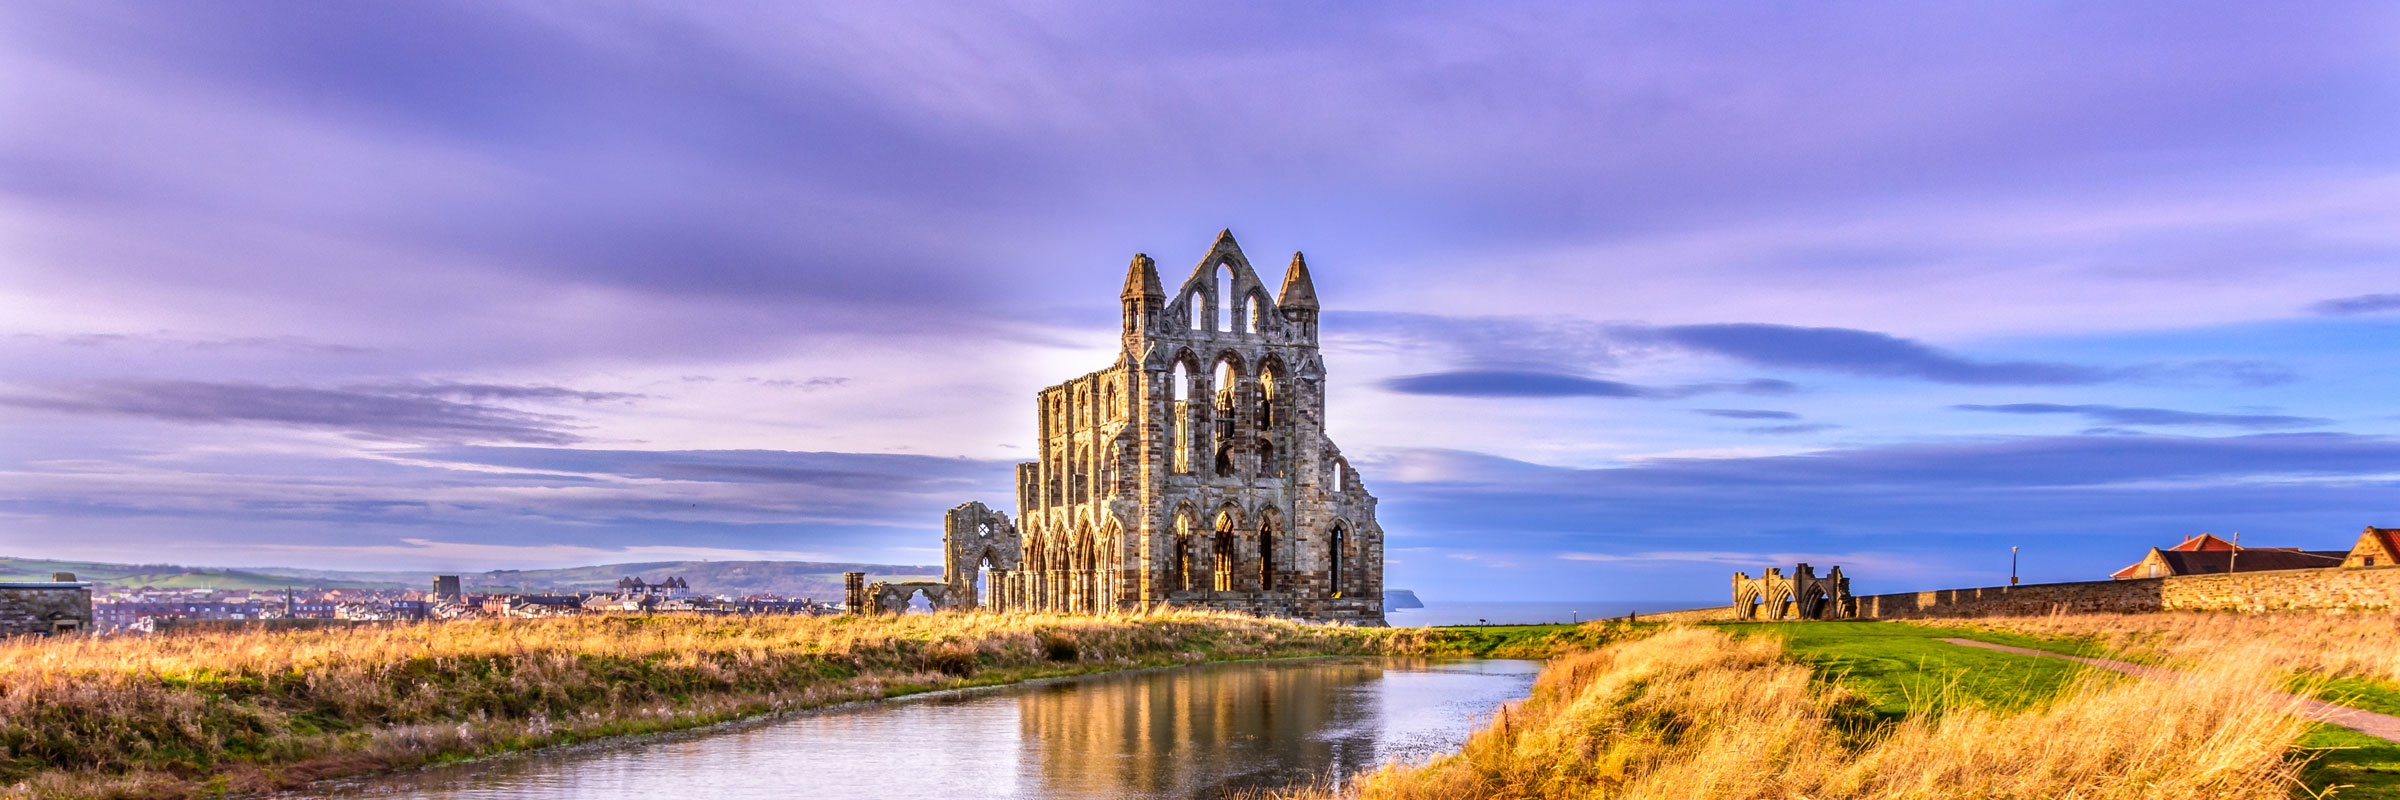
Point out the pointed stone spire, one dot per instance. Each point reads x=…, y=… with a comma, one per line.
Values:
x=1224, y=251
x=1141, y=280
x=1299, y=293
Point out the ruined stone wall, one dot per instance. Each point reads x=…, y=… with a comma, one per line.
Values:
x=2370, y=589
x=1717, y=614
x=2119, y=597
x=2366, y=589
x=39, y=610
x=2338, y=589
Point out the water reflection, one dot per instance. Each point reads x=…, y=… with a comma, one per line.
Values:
x=1185, y=733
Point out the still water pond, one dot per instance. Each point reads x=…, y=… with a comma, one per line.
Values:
x=1197, y=732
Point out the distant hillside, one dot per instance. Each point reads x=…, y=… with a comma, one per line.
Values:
x=788, y=578
x=818, y=580
x=170, y=576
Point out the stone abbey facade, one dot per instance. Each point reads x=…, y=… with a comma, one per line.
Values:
x=1193, y=472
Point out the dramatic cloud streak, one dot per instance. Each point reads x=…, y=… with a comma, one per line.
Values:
x=1863, y=353
x=2120, y=415
x=1744, y=413
x=405, y=415
x=1509, y=383
x=2362, y=304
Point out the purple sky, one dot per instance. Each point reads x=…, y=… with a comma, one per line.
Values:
x=1619, y=299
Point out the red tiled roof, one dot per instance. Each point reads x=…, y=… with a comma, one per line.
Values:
x=2201, y=563
x=2206, y=542
x=2390, y=538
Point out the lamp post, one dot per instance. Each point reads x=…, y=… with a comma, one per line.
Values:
x=2012, y=565
x=2234, y=559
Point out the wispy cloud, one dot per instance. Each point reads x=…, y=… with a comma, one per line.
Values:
x=486, y=391
x=1783, y=430
x=408, y=416
x=167, y=340
x=2122, y=415
x=1860, y=352
x=1546, y=345
x=2361, y=304
x=1744, y=413
x=1512, y=383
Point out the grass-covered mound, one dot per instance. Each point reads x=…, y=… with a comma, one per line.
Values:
x=1703, y=713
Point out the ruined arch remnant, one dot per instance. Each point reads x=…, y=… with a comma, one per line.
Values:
x=1192, y=473
x=1803, y=595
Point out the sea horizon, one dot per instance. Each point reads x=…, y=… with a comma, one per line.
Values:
x=1527, y=612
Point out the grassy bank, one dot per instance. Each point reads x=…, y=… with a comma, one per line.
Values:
x=1896, y=670
x=1797, y=711
x=2350, y=659
x=213, y=712
x=1521, y=641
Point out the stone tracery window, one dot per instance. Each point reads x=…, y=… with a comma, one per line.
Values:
x=1179, y=564
x=1221, y=565
x=1266, y=397
x=1266, y=554
x=1182, y=412
x=1337, y=541
x=1224, y=298
x=1226, y=382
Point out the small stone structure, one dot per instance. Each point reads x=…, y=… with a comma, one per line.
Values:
x=59, y=605
x=445, y=587
x=854, y=592
x=892, y=598
x=2373, y=590
x=1804, y=595
x=982, y=550
x=1194, y=472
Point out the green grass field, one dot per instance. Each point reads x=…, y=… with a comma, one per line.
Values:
x=1899, y=668
x=1523, y=641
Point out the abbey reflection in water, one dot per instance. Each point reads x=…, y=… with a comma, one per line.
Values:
x=1179, y=734
x=1239, y=728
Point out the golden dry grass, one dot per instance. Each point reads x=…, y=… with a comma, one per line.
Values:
x=2330, y=645
x=1697, y=713
x=184, y=714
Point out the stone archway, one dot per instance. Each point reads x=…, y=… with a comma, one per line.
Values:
x=893, y=598
x=981, y=550
x=1803, y=595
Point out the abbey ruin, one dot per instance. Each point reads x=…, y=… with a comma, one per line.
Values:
x=1194, y=472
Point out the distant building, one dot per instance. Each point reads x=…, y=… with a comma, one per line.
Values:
x=445, y=587
x=120, y=614
x=674, y=587
x=2207, y=553
x=2378, y=547
x=42, y=608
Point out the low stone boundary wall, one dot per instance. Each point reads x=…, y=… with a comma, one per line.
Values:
x=1718, y=614
x=2331, y=589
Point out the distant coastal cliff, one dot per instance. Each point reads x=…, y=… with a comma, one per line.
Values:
x=1394, y=599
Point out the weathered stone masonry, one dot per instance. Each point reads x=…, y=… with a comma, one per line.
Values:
x=2370, y=589
x=60, y=605
x=1193, y=472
